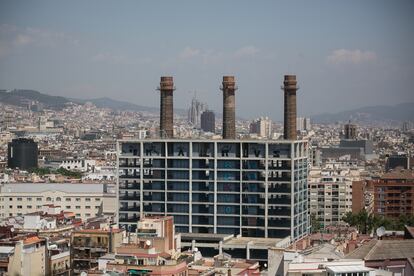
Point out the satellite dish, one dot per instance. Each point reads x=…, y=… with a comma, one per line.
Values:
x=380, y=231
x=148, y=243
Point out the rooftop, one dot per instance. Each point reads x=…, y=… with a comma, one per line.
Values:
x=383, y=250
x=43, y=187
x=399, y=174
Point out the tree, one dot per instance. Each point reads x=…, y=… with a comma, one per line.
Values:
x=315, y=224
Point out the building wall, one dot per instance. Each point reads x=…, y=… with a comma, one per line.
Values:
x=84, y=205
x=331, y=191
x=34, y=259
x=59, y=262
x=254, y=188
x=393, y=198
x=358, y=199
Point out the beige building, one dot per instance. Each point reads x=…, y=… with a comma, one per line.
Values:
x=330, y=190
x=88, y=245
x=23, y=257
x=84, y=200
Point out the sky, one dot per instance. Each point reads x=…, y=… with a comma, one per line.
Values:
x=346, y=54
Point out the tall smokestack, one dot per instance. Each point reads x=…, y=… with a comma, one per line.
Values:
x=166, y=107
x=290, y=88
x=229, y=107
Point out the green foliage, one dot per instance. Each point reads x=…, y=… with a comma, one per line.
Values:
x=40, y=171
x=69, y=173
x=315, y=224
x=367, y=223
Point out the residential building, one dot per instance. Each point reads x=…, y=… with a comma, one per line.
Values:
x=330, y=190
x=26, y=255
x=250, y=187
x=262, y=127
x=88, y=245
x=78, y=165
x=394, y=194
x=303, y=124
x=395, y=256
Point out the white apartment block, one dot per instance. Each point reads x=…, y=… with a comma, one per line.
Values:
x=78, y=165
x=330, y=190
x=85, y=200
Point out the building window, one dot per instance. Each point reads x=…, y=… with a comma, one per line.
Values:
x=10, y=206
x=38, y=199
x=39, y=206
x=67, y=207
x=19, y=207
x=10, y=199
x=78, y=215
x=88, y=215
x=77, y=207
x=87, y=207
x=78, y=199
x=87, y=199
x=68, y=199
x=19, y=199
x=29, y=206
x=58, y=199
x=97, y=199
x=48, y=199
x=29, y=199
x=97, y=207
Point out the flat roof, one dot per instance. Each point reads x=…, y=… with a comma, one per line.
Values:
x=254, y=242
x=347, y=268
x=206, y=236
x=213, y=140
x=43, y=187
x=6, y=249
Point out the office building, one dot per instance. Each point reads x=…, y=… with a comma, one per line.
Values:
x=397, y=161
x=208, y=121
x=84, y=200
x=255, y=188
x=22, y=154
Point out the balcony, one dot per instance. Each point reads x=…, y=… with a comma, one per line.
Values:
x=129, y=208
x=133, y=197
x=134, y=186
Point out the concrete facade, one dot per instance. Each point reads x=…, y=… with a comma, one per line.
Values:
x=255, y=188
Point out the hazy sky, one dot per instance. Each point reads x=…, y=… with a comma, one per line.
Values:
x=345, y=54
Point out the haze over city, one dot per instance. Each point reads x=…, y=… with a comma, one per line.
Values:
x=346, y=54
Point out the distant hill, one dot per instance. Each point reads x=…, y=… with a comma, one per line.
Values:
x=386, y=113
x=19, y=97
x=119, y=105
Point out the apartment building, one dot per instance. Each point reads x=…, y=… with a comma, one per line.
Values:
x=255, y=188
x=330, y=190
x=394, y=194
x=84, y=200
x=25, y=256
x=88, y=245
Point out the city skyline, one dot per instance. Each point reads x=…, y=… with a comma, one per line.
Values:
x=346, y=55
